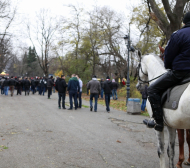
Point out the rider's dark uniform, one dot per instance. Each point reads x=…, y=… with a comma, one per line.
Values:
x=177, y=59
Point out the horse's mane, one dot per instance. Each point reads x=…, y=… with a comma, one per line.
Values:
x=156, y=57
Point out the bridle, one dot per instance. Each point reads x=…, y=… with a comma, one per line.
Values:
x=139, y=68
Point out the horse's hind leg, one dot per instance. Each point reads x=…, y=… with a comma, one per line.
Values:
x=171, y=146
x=160, y=140
x=188, y=142
x=181, y=147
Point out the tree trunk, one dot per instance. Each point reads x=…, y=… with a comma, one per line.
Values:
x=171, y=21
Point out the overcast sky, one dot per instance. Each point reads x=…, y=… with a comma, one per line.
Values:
x=26, y=10
x=57, y=6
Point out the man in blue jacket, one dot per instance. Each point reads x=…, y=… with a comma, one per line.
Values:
x=74, y=89
x=177, y=59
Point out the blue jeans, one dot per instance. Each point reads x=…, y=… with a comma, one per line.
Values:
x=91, y=100
x=71, y=96
x=102, y=93
x=61, y=96
x=143, y=105
x=39, y=90
x=6, y=88
x=53, y=89
x=114, y=92
x=80, y=100
x=33, y=89
x=107, y=101
x=42, y=90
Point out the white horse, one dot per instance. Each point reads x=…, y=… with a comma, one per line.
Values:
x=150, y=67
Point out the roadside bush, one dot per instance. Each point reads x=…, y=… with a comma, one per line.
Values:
x=134, y=93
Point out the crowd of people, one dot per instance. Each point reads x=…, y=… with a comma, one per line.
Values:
x=74, y=88
x=37, y=84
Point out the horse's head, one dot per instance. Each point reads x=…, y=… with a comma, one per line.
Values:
x=142, y=74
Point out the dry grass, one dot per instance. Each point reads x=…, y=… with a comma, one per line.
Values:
x=116, y=104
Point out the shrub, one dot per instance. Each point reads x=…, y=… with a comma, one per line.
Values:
x=134, y=93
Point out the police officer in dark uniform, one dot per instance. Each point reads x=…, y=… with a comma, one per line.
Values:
x=177, y=59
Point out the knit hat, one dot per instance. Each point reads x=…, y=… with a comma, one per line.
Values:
x=186, y=18
x=107, y=77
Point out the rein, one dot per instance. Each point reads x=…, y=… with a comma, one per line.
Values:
x=140, y=67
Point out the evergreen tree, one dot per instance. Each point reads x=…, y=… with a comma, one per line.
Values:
x=31, y=61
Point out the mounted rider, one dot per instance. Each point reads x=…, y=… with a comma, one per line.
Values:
x=177, y=59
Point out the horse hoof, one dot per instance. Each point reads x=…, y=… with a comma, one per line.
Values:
x=187, y=163
x=178, y=166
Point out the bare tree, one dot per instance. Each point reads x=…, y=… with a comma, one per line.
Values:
x=7, y=16
x=110, y=25
x=42, y=39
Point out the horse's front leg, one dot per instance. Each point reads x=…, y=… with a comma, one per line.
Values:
x=171, y=146
x=160, y=140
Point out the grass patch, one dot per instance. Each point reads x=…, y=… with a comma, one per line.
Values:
x=85, y=106
x=134, y=93
x=145, y=114
x=67, y=104
x=3, y=147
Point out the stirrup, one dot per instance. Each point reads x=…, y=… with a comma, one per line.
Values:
x=151, y=119
x=151, y=123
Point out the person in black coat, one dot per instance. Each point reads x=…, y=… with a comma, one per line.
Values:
x=42, y=86
x=12, y=84
x=177, y=59
x=27, y=86
x=50, y=84
x=39, y=85
x=2, y=89
x=33, y=85
x=108, y=87
x=19, y=86
x=102, y=90
x=6, y=86
x=45, y=83
x=115, y=87
x=56, y=83
x=36, y=84
x=61, y=88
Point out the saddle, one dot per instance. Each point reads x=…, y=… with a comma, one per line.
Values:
x=170, y=98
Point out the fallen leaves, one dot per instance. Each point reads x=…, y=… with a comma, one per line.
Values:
x=118, y=141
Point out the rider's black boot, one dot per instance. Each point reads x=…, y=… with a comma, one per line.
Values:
x=157, y=122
